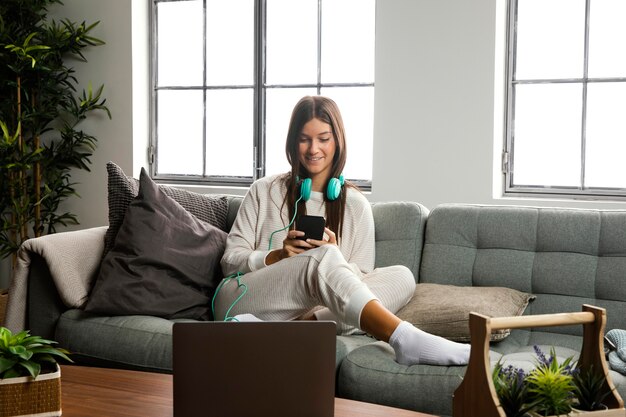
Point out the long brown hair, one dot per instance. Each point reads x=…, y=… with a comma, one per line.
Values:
x=325, y=110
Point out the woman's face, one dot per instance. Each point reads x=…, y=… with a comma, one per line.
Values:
x=316, y=149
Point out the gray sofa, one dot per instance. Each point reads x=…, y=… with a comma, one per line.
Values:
x=565, y=257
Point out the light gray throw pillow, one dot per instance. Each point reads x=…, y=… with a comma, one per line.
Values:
x=444, y=310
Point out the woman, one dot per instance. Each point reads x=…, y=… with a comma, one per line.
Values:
x=329, y=279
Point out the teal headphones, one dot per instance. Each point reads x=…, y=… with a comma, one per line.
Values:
x=333, y=190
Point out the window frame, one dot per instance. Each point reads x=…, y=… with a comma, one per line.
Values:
x=507, y=162
x=259, y=86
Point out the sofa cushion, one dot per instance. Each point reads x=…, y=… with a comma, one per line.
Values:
x=122, y=189
x=399, y=234
x=371, y=374
x=135, y=342
x=164, y=263
x=444, y=309
x=139, y=342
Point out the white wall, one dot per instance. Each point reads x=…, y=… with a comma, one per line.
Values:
x=436, y=71
x=434, y=101
x=122, y=65
x=438, y=87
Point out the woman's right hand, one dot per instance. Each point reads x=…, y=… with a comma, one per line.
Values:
x=291, y=246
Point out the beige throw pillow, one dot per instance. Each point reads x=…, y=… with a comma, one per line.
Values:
x=444, y=309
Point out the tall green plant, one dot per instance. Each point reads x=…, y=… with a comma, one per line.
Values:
x=40, y=113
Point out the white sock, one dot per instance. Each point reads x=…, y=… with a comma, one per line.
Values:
x=413, y=346
x=246, y=317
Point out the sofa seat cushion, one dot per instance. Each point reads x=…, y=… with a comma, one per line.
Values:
x=139, y=342
x=370, y=373
x=346, y=344
x=135, y=342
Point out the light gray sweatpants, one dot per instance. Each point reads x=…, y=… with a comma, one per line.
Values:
x=294, y=286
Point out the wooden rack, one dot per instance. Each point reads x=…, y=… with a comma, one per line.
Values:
x=476, y=396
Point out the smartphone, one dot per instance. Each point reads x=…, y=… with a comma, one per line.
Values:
x=312, y=226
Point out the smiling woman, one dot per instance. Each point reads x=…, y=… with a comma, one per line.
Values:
x=232, y=71
x=332, y=278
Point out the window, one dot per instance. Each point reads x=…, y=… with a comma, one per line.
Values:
x=566, y=131
x=227, y=73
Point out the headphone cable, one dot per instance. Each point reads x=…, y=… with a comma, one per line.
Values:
x=295, y=212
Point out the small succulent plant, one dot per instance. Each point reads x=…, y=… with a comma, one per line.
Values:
x=512, y=389
x=590, y=389
x=551, y=384
x=22, y=354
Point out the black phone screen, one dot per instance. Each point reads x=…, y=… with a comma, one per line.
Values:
x=312, y=226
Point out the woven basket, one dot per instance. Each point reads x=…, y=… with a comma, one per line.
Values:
x=25, y=396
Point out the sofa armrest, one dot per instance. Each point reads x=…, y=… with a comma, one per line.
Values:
x=400, y=234
x=72, y=260
x=44, y=305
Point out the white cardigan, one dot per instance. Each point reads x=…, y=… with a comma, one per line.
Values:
x=262, y=213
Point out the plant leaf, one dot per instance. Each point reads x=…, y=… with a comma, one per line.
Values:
x=33, y=368
x=6, y=363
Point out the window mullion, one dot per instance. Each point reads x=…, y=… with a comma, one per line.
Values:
x=204, y=90
x=510, y=93
x=319, y=47
x=153, y=148
x=260, y=31
x=583, y=139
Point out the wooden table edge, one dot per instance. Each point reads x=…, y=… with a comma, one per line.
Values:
x=85, y=389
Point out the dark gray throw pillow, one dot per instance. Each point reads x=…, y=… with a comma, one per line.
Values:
x=165, y=262
x=122, y=189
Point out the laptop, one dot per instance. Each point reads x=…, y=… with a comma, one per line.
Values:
x=231, y=369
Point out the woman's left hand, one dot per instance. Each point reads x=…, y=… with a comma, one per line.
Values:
x=332, y=239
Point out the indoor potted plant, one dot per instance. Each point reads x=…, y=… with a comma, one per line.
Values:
x=591, y=390
x=550, y=389
x=512, y=390
x=30, y=377
x=551, y=385
x=40, y=112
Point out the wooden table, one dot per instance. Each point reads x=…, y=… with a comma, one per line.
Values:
x=119, y=393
